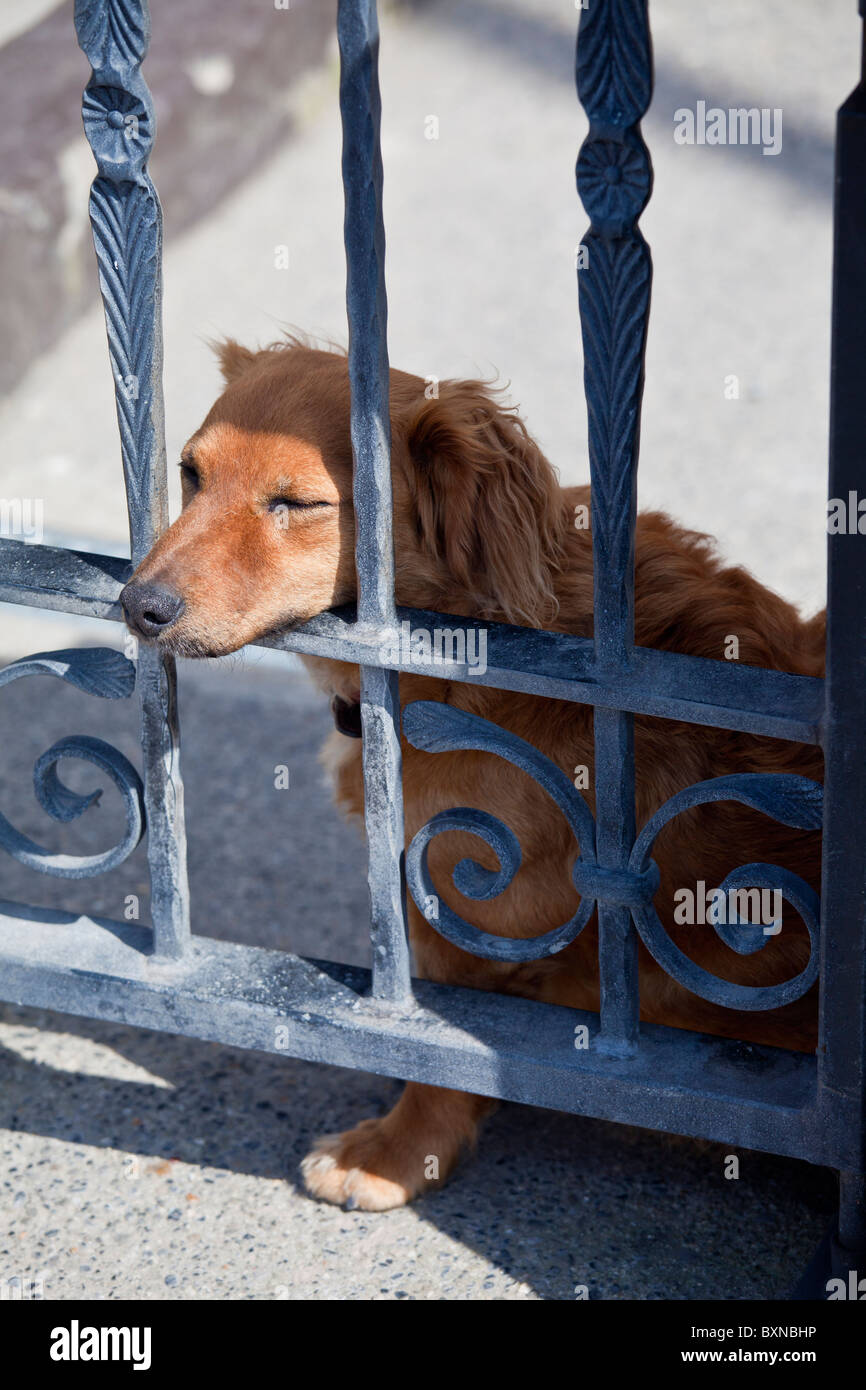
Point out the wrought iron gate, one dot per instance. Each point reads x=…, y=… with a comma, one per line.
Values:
x=810, y=1107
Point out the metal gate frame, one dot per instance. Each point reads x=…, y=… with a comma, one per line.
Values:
x=809, y=1107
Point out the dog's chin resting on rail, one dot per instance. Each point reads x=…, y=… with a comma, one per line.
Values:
x=482, y=529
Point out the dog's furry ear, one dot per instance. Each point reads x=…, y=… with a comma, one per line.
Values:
x=487, y=503
x=233, y=358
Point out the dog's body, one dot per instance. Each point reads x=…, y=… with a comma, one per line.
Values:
x=482, y=529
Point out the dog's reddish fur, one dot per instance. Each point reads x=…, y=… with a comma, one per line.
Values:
x=482, y=528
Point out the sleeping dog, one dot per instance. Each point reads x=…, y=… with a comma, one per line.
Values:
x=483, y=530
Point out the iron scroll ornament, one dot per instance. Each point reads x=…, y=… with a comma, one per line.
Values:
x=433, y=727
x=792, y=800
x=108, y=674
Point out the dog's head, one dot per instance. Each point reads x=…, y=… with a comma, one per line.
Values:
x=267, y=533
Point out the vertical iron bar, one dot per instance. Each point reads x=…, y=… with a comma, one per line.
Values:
x=614, y=179
x=852, y=1211
x=615, y=833
x=366, y=303
x=126, y=220
x=842, y=1047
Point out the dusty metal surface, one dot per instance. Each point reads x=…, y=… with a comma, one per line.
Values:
x=517, y=1049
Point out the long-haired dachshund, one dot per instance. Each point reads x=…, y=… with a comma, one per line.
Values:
x=482, y=529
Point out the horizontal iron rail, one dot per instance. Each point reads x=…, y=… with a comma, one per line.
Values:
x=518, y=1049
x=556, y=665
x=65, y=581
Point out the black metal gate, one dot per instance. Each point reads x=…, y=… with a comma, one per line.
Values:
x=810, y=1107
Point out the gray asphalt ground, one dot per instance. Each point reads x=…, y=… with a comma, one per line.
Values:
x=136, y=1165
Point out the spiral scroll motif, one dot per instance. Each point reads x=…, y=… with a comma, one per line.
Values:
x=792, y=800
x=434, y=727
x=438, y=728
x=98, y=671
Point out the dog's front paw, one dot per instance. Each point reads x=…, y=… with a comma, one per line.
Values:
x=360, y=1168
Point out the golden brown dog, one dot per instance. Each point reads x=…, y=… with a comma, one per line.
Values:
x=482, y=529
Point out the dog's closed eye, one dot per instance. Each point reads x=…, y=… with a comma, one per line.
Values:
x=277, y=504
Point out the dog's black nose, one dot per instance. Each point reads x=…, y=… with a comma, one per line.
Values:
x=347, y=716
x=149, y=609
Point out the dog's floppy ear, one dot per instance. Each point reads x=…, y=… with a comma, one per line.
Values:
x=487, y=502
x=233, y=358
